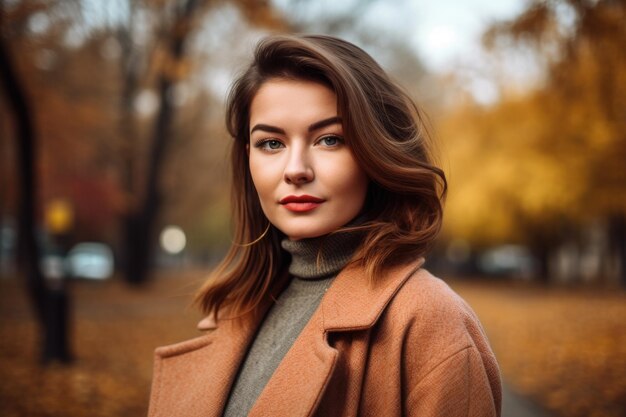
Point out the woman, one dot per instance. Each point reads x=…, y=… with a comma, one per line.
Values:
x=321, y=307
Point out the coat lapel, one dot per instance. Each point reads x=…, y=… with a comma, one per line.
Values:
x=297, y=384
x=234, y=339
x=193, y=378
x=351, y=303
x=355, y=303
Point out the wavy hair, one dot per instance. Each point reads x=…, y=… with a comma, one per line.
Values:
x=390, y=140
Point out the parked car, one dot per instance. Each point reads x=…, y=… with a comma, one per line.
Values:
x=508, y=260
x=52, y=265
x=90, y=260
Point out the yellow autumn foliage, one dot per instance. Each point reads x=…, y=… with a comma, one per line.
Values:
x=554, y=155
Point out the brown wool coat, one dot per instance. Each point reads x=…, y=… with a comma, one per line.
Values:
x=407, y=347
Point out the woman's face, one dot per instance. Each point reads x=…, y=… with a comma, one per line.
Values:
x=307, y=178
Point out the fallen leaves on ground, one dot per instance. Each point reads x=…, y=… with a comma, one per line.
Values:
x=565, y=348
x=115, y=330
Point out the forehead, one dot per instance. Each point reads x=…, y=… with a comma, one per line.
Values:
x=282, y=100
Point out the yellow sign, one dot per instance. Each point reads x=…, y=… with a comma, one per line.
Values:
x=59, y=216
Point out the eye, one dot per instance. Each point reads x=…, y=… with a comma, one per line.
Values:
x=331, y=141
x=269, y=144
x=273, y=144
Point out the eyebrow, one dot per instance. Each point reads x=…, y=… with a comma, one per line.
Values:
x=312, y=127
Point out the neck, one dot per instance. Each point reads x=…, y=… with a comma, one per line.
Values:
x=324, y=256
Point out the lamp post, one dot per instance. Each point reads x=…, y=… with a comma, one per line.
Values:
x=173, y=241
x=59, y=217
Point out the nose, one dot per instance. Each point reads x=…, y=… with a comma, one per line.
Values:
x=298, y=169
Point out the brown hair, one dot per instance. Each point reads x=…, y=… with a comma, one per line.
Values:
x=388, y=136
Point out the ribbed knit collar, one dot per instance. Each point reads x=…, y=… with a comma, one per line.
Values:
x=334, y=250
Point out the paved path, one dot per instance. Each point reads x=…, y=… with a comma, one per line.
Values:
x=514, y=405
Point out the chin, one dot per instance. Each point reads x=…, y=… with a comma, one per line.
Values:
x=307, y=232
x=304, y=235
x=296, y=232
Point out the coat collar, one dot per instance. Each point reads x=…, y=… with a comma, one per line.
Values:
x=351, y=303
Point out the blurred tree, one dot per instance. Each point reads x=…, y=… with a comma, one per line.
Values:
x=140, y=222
x=166, y=60
x=552, y=160
x=49, y=305
x=505, y=185
x=66, y=73
x=28, y=252
x=585, y=46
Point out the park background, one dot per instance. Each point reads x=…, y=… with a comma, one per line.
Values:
x=111, y=131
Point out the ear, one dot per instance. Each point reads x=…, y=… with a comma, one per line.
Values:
x=248, y=149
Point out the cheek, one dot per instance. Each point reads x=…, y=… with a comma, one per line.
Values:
x=358, y=187
x=350, y=181
x=263, y=177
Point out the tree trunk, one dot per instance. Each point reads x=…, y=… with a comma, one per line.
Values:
x=543, y=270
x=617, y=231
x=140, y=225
x=50, y=307
x=129, y=136
x=542, y=253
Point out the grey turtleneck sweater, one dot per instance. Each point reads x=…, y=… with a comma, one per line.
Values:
x=311, y=276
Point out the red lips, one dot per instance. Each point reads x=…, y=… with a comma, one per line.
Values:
x=301, y=203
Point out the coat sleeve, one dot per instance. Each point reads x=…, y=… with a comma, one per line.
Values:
x=449, y=368
x=459, y=386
